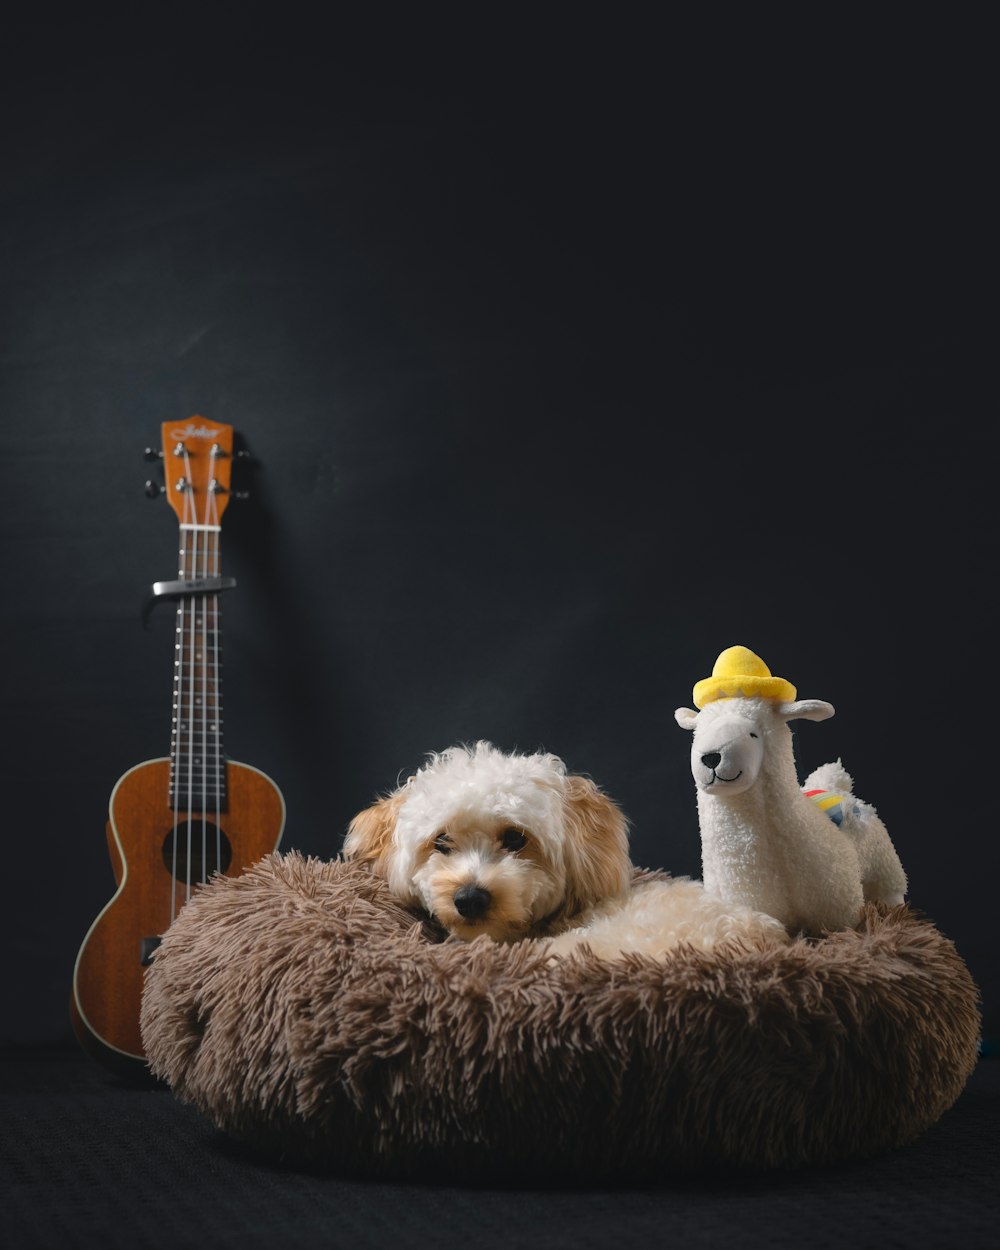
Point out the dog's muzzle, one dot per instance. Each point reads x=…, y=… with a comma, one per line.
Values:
x=472, y=902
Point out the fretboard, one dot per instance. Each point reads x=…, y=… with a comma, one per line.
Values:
x=197, y=759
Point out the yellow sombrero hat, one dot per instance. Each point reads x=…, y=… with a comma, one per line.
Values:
x=739, y=674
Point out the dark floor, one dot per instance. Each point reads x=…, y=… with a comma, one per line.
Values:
x=87, y=1161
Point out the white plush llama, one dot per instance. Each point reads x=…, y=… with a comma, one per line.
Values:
x=765, y=843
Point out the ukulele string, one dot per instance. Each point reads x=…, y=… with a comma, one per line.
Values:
x=209, y=699
x=202, y=694
x=175, y=744
x=190, y=508
x=202, y=700
x=179, y=670
x=216, y=689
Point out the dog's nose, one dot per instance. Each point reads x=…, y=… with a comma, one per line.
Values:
x=711, y=759
x=472, y=901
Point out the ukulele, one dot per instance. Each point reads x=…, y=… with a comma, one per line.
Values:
x=176, y=821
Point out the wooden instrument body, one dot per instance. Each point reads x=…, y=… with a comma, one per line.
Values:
x=174, y=822
x=108, y=976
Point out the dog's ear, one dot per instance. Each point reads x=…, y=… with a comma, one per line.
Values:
x=369, y=835
x=596, y=850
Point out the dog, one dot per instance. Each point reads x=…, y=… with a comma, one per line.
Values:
x=506, y=845
x=663, y=914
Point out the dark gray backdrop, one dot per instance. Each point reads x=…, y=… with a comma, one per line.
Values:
x=568, y=357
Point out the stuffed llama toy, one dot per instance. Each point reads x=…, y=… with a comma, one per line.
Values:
x=809, y=855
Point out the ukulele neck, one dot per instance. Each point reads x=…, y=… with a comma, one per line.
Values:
x=197, y=759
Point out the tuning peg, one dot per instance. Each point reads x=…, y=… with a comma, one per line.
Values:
x=215, y=487
x=154, y=490
x=152, y=453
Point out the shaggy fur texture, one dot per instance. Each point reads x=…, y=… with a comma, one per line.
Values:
x=308, y=1014
x=661, y=913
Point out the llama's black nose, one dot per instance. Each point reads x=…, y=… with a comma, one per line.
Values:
x=711, y=759
x=472, y=901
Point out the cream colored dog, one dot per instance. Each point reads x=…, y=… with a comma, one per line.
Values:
x=510, y=846
x=662, y=914
x=513, y=846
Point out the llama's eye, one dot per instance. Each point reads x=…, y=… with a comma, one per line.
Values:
x=753, y=735
x=442, y=844
x=513, y=840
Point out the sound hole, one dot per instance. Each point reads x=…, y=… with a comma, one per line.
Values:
x=206, y=841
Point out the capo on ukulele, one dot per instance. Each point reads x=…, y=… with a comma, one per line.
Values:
x=182, y=589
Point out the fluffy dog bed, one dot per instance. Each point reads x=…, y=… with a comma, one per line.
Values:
x=307, y=1014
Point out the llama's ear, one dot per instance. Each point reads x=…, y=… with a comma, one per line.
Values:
x=369, y=836
x=805, y=709
x=686, y=717
x=596, y=847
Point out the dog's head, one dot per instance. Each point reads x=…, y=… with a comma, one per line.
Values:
x=496, y=844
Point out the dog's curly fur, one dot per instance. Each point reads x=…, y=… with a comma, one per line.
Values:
x=513, y=846
x=662, y=913
x=506, y=845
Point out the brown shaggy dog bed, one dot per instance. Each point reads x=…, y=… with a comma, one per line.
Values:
x=307, y=1014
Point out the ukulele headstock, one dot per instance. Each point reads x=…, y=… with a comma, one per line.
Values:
x=197, y=469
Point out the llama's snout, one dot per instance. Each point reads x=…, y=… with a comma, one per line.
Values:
x=726, y=756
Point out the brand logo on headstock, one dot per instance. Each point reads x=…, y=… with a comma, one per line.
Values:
x=194, y=431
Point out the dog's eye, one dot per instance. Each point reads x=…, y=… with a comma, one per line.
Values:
x=513, y=840
x=442, y=844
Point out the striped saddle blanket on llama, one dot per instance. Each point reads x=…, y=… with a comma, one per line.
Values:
x=833, y=804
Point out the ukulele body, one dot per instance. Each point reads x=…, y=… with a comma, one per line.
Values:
x=160, y=857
